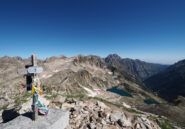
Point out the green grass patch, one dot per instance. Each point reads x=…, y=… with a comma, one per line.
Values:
x=163, y=123
x=50, y=97
x=117, y=105
x=132, y=110
x=27, y=95
x=166, y=124
x=78, y=96
x=4, y=107
x=21, y=99
x=54, y=95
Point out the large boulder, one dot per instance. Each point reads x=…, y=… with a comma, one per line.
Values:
x=56, y=119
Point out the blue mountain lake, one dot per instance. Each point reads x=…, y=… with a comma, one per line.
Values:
x=124, y=93
x=118, y=91
x=151, y=102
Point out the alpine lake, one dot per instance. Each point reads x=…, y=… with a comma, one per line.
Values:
x=124, y=93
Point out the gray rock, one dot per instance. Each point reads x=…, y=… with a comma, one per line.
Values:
x=56, y=119
x=92, y=125
x=59, y=99
x=3, y=102
x=115, y=116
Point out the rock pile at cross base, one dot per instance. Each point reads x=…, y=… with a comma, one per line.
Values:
x=56, y=119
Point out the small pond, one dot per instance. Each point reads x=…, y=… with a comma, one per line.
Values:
x=151, y=102
x=118, y=91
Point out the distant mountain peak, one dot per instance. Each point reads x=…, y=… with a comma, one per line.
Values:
x=112, y=58
x=115, y=56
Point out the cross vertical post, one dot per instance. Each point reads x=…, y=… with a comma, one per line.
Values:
x=35, y=95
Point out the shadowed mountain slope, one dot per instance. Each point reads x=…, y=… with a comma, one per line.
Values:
x=169, y=83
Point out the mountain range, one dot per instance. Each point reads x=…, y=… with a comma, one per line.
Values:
x=136, y=80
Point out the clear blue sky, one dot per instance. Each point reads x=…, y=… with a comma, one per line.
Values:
x=150, y=30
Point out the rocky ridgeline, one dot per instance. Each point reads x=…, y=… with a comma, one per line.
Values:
x=93, y=114
x=92, y=60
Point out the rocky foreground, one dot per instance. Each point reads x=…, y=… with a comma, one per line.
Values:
x=84, y=114
x=94, y=114
x=97, y=115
